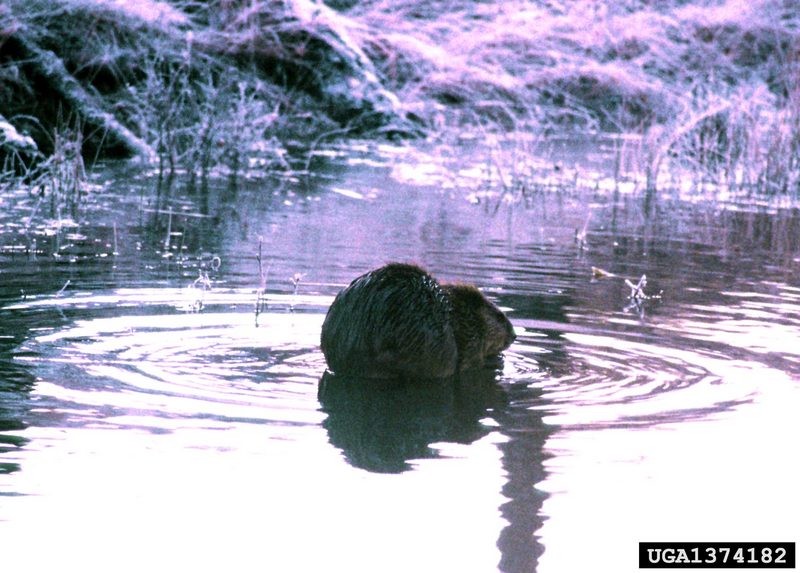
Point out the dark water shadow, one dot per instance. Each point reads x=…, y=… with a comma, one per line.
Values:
x=523, y=463
x=521, y=421
x=381, y=426
x=15, y=385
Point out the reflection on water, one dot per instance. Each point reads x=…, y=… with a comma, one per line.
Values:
x=147, y=418
x=382, y=429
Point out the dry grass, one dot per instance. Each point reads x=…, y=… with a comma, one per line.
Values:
x=709, y=85
x=231, y=84
x=594, y=63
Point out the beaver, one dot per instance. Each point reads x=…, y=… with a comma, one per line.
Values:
x=399, y=322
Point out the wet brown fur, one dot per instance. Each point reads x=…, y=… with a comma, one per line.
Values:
x=399, y=322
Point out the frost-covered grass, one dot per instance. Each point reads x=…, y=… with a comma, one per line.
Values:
x=711, y=86
x=178, y=76
x=601, y=64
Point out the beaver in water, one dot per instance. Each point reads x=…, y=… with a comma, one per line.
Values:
x=399, y=322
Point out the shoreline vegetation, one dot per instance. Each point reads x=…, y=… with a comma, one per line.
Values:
x=229, y=86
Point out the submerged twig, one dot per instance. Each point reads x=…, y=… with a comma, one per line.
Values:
x=296, y=278
x=261, y=301
x=33, y=212
x=580, y=236
x=204, y=283
x=637, y=290
x=169, y=230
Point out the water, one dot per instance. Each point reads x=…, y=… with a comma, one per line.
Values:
x=150, y=420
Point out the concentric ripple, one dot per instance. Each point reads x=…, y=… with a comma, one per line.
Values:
x=153, y=365
x=609, y=370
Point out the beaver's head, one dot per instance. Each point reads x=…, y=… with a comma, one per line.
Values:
x=481, y=329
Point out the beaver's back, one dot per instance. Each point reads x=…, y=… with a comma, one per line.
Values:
x=393, y=322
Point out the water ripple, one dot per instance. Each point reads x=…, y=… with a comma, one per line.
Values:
x=156, y=367
x=612, y=371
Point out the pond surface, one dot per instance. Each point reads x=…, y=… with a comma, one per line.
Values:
x=151, y=420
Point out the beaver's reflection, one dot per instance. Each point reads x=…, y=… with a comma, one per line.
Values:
x=380, y=426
